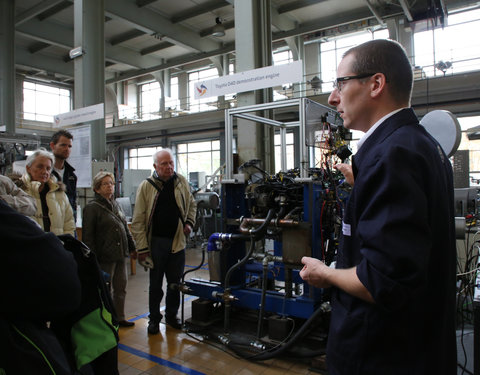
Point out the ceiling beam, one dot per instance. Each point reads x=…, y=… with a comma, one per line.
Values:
x=42, y=62
x=55, y=34
x=406, y=10
x=35, y=11
x=297, y=5
x=142, y=3
x=199, y=9
x=156, y=48
x=154, y=23
x=182, y=60
x=281, y=22
x=129, y=35
x=324, y=24
x=38, y=46
x=318, y=25
x=54, y=10
x=375, y=13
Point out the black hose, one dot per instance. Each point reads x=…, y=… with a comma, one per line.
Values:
x=262, y=299
x=289, y=343
x=255, y=234
x=183, y=280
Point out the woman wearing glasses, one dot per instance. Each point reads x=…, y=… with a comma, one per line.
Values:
x=105, y=231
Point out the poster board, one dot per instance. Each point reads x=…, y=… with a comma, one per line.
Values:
x=81, y=155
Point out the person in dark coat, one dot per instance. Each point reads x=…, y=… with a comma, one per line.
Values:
x=393, y=288
x=61, y=145
x=38, y=283
x=105, y=231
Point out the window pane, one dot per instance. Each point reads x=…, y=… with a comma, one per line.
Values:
x=182, y=164
x=29, y=85
x=133, y=163
x=146, y=151
x=29, y=101
x=199, y=146
x=145, y=162
x=41, y=102
x=289, y=138
x=181, y=147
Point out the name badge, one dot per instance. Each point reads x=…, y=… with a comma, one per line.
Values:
x=346, y=229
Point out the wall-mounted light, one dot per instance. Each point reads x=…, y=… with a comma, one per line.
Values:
x=75, y=52
x=218, y=29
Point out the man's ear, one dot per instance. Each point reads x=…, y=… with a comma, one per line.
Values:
x=378, y=82
x=52, y=145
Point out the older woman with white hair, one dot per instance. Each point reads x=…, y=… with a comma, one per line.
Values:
x=105, y=231
x=54, y=213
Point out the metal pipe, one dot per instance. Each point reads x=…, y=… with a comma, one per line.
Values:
x=248, y=221
x=254, y=235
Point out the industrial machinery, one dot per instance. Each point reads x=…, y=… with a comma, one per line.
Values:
x=13, y=148
x=255, y=301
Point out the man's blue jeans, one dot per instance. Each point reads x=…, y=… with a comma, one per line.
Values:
x=171, y=265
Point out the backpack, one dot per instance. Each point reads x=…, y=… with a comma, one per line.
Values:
x=90, y=334
x=28, y=347
x=83, y=342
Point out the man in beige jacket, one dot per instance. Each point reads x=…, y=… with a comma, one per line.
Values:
x=164, y=215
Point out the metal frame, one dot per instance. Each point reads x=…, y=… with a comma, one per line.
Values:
x=243, y=112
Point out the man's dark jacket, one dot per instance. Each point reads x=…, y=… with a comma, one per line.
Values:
x=398, y=231
x=70, y=181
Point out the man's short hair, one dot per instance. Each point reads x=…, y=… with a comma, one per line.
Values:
x=162, y=150
x=387, y=57
x=61, y=133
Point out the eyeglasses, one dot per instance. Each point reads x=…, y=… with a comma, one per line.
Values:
x=340, y=81
x=107, y=183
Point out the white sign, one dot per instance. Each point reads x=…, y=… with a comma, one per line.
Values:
x=77, y=116
x=250, y=80
x=81, y=155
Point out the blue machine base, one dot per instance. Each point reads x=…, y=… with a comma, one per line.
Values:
x=249, y=298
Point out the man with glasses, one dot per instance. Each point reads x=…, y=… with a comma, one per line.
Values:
x=393, y=288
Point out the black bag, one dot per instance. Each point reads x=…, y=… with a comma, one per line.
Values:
x=90, y=333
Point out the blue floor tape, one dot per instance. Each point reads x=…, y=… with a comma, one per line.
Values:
x=160, y=361
x=161, y=309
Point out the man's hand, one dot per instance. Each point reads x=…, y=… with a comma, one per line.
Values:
x=187, y=229
x=315, y=272
x=347, y=171
x=133, y=255
x=144, y=258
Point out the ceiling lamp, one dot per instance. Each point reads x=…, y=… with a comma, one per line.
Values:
x=218, y=29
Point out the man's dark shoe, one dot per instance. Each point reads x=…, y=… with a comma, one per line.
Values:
x=153, y=328
x=173, y=322
x=125, y=323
